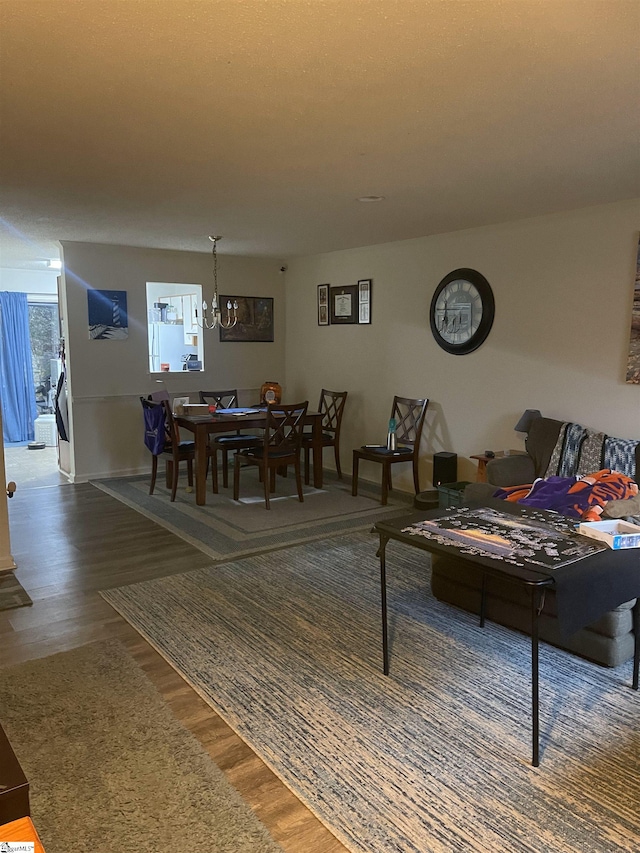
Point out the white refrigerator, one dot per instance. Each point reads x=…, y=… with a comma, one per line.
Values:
x=167, y=346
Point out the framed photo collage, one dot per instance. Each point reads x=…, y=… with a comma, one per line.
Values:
x=346, y=305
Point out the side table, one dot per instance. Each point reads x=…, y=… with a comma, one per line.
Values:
x=481, y=476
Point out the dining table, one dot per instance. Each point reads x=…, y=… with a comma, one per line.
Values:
x=202, y=426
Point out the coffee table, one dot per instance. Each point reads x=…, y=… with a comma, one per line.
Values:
x=592, y=574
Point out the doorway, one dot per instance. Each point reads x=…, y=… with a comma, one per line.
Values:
x=33, y=464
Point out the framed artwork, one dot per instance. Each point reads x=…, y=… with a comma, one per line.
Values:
x=633, y=361
x=323, y=304
x=255, y=319
x=344, y=304
x=364, y=300
x=107, y=310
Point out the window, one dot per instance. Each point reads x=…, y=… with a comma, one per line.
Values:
x=44, y=331
x=175, y=341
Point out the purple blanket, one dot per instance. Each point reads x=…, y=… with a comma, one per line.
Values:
x=578, y=497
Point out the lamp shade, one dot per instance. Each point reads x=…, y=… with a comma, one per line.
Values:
x=526, y=419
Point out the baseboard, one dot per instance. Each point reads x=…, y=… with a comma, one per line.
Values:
x=106, y=475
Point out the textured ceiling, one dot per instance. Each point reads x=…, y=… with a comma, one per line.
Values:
x=158, y=122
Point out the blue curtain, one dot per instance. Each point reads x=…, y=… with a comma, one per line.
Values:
x=19, y=409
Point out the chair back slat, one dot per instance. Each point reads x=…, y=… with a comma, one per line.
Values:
x=284, y=427
x=409, y=415
x=173, y=431
x=332, y=407
x=221, y=399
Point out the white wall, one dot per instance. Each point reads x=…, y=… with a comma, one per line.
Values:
x=563, y=287
x=40, y=282
x=106, y=378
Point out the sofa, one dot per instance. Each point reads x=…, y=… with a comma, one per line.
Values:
x=552, y=447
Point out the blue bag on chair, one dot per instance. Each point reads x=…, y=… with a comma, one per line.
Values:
x=154, y=432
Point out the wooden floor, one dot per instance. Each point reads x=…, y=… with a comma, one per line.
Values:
x=71, y=541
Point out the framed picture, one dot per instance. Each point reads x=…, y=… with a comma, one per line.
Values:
x=323, y=304
x=364, y=300
x=344, y=304
x=255, y=319
x=108, y=319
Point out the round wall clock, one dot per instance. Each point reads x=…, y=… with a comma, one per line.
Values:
x=462, y=311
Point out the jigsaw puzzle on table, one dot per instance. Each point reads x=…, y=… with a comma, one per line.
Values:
x=532, y=538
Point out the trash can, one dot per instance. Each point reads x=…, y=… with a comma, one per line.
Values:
x=45, y=430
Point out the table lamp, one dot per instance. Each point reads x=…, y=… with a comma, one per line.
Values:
x=526, y=419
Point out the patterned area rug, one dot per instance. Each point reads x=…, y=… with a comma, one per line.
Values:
x=12, y=593
x=286, y=647
x=110, y=768
x=225, y=528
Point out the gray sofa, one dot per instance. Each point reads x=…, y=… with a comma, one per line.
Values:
x=610, y=640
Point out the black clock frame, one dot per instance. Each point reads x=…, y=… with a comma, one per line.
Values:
x=488, y=311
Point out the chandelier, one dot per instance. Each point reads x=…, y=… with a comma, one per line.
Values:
x=212, y=315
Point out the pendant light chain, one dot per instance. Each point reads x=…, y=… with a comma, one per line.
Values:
x=214, y=240
x=213, y=318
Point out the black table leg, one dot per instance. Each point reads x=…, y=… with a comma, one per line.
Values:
x=636, y=642
x=483, y=599
x=535, y=707
x=383, y=591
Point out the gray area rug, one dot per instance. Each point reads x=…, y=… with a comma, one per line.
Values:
x=12, y=593
x=436, y=757
x=225, y=528
x=110, y=768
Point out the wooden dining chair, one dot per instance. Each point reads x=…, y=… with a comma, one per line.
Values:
x=162, y=438
x=332, y=407
x=281, y=446
x=409, y=415
x=226, y=442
